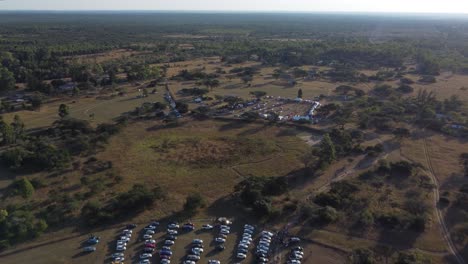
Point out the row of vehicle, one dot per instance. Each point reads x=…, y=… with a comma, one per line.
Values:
x=224, y=231
x=194, y=252
x=263, y=247
x=296, y=255
x=244, y=243
x=92, y=241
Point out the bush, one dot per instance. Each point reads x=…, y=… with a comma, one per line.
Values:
x=193, y=203
x=23, y=187
x=363, y=256
x=327, y=215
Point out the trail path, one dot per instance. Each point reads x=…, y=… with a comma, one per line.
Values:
x=445, y=232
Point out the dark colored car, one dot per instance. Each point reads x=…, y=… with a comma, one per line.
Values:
x=131, y=226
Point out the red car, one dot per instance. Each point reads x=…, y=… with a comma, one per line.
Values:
x=150, y=245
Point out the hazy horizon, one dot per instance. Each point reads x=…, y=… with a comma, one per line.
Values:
x=299, y=6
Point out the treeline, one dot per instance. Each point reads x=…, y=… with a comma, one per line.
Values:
x=54, y=147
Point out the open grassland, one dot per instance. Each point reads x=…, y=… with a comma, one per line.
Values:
x=96, y=109
x=209, y=157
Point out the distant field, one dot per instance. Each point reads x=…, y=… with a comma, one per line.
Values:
x=104, y=110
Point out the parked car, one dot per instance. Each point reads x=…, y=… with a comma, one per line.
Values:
x=92, y=240
x=119, y=259
x=149, y=232
x=207, y=227
x=188, y=227
x=294, y=240
x=146, y=256
x=116, y=255
x=165, y=253
x=148, y=250
x=193, y=257
x=173, y=226
x=197, y=249
x=189, y=262
x=214, y=261
x=242, y=250
x=172, y=232
x=125, y=238
x=171, y=237
x=220, y=247
x=197, y=241
x=145, y=261
x=224, y=231
x=150, y=227
x=150, y=245
x=89, y=249
x=168, y=242
x=220, y=240
x=131, y=226
x=241, y=256
x=121, y=248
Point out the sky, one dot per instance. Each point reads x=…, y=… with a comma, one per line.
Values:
x=411, y=6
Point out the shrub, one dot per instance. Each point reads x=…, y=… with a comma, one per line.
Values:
x=363, y=256
x=193, y=203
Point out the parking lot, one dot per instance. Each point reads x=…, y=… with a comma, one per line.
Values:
x=183, y=243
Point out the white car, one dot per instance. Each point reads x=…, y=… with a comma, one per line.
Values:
x=207, y=227
x=150, y=232
x=173, y=226
x=224, y=231
x=249, y=226
x=172, y=232
x=295, y=239
x=197, y=241
x=165, y=261
x=146, y=256
x=150, y=228
x=124, y=238
x=116, y=255
x=298, y=252
x=243, y=246
x=214, y=261
x=119, y=259
x=152, y=241
x=241, y=256
x=121, y=243
x=169, y=242
x=121, y=248
x=220, y=240
x=248, y=231
x=126, y=231
x=146, y=236
x=267, y=233
x=247, y=238
x=197, y=251
x=225, y=227
x=189, y=262
x=145, y=261
x=247, y=242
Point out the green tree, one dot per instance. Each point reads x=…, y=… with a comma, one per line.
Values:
x=63, y=111
x=363, y=256
x=24, y=188
x=193, y=203
x=7, y=133
x=36, y=102
x=18, y=127
x=258, y=94
x=299, y=93
x=327, y=151
x=3, y=215
x=7, y=80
